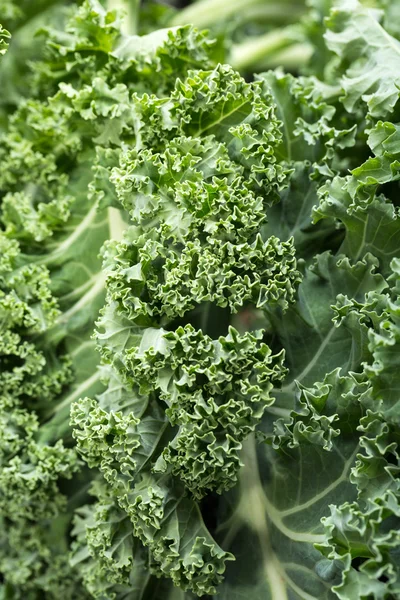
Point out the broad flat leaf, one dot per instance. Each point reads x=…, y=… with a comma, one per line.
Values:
x=272, y=520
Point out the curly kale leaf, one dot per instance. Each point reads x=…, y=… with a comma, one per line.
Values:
x=4, y=36
x=356, y=36
x=51, y=282
x=196, y=184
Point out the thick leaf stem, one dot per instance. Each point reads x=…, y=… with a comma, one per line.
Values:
x=272, y=13
x=269, y=50
x=207, y=12
x=130, y=8
x=116, y=223
x=253, y=512
x=291, y=58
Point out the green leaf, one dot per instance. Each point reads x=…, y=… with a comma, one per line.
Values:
x=271, y=521
x=292, y=216
x=316, y=342
x=4, y=36
x=355, y=35
x=369, y=229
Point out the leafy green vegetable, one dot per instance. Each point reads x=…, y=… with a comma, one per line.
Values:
x=4, y=35
x=55, y=218
x=356, y=36
x=335, y=441
x=199, y=301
